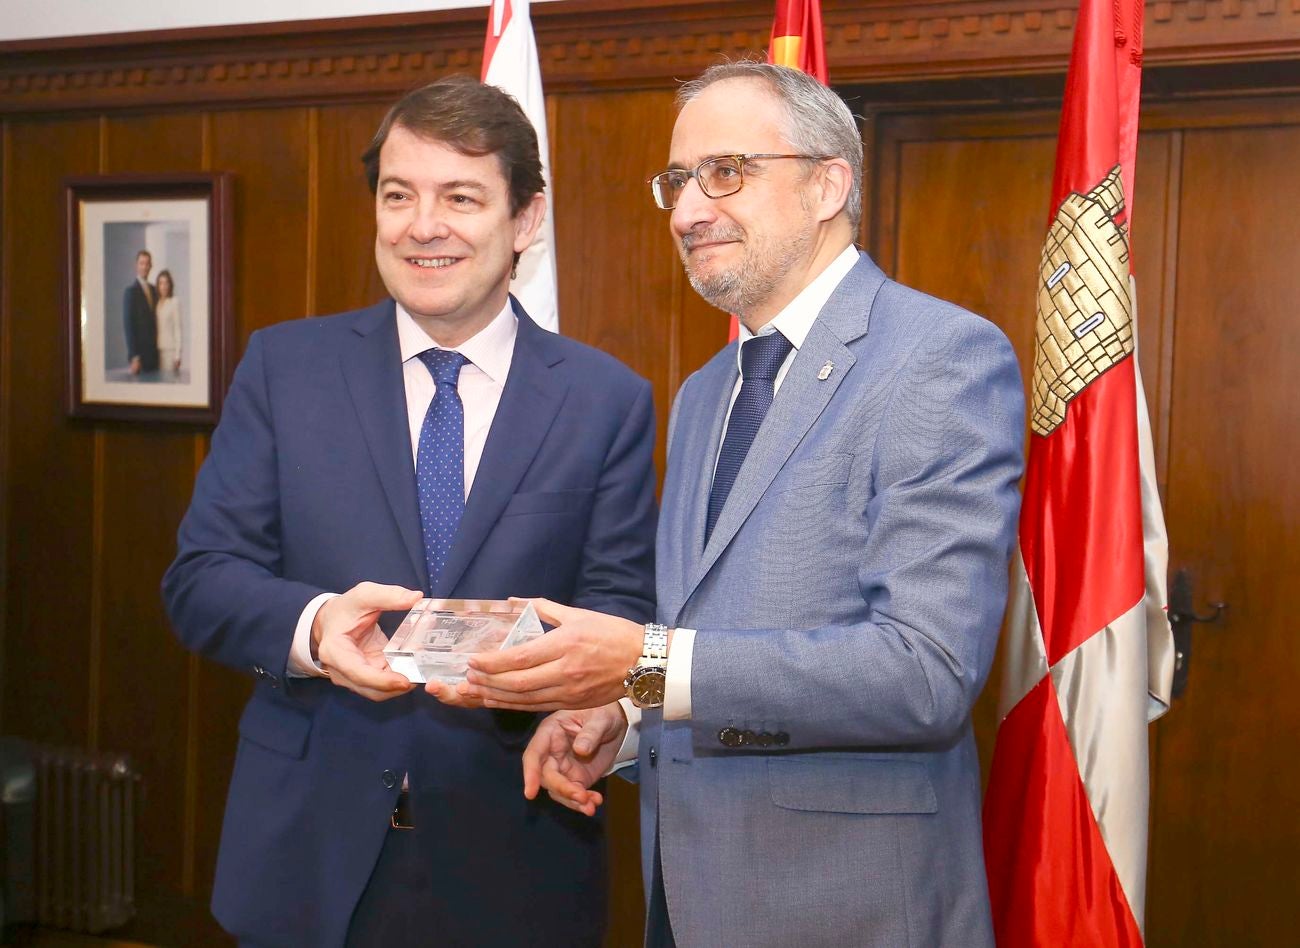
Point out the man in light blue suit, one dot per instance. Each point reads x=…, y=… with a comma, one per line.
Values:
x=838, y=514
x=441, y=443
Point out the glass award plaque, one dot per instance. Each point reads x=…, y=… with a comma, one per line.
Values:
x=437, y=637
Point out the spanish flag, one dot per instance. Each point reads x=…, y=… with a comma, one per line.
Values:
x=797, y=38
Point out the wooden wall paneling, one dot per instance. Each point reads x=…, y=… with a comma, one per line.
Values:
x=49, y=500
x=145, y=477
x=868, y=123
x=345, y=274
x=145, y=675
x=267, y=150
x=971, y=217
x=6, y=403
x=1227, y=785
x=880, y=203
x=1150, y=237
x=615, y=293
x=614, y=259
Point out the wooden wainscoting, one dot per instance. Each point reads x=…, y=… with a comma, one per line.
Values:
x=959, y=98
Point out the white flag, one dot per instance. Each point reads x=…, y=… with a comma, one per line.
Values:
x=510, y=62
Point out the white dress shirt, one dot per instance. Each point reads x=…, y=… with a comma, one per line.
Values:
x=794, y=322
x=481, y=383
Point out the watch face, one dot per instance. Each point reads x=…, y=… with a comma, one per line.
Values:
x=648, y=688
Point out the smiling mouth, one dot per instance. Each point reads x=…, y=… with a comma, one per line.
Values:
x=432, y=263
x=706, y=240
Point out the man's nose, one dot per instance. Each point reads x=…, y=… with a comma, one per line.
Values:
x=693, y=208
x=429, y=222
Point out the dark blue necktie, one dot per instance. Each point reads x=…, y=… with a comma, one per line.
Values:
x=760, y=360
x=440, y=463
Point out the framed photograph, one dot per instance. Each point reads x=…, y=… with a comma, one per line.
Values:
x=147, y=296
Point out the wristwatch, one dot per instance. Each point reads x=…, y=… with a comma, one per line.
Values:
x=645, y=680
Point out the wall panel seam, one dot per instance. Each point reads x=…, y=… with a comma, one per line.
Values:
x=6, y=401
x=313, y=205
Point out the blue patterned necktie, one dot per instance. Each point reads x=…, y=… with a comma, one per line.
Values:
x=760, y=360
x=440, y=463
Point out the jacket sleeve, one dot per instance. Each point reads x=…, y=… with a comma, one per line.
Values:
x=940, y=507
x=128, y=325
x=223, y=593
x=617, y=568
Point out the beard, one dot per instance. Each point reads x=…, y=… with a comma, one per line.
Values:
x=766, y=260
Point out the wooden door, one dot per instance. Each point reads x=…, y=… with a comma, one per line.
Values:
x=1225, y=862
x=959, y=204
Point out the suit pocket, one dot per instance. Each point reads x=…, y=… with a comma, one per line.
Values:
x=825, y=470
x=549, y=501
x=276, y=727
x=850, y=784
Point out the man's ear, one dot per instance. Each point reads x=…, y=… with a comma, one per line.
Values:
x=833, y=187
x=528, y=221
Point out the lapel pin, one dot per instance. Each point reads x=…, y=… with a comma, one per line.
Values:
x=826, y=371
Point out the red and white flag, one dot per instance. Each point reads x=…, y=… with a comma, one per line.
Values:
x=797, y=38
x=1089, y=655
x=510, y=62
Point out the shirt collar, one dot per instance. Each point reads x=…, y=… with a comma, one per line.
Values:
x=490, y=349
x=795, y=321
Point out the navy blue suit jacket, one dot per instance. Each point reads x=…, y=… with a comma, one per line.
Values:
x=310, y=487
x=141, y=326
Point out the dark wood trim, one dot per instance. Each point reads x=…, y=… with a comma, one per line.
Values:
x=609, y=44
x=1163, y=420
x=6, y=400
x=95, y=621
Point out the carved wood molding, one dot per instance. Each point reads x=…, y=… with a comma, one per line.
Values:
x=592, y=44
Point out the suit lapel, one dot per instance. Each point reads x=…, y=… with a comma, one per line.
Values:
x=372, y=370
x=529, y=403
x=797, y=405
x=696, y=434
x=802, y=398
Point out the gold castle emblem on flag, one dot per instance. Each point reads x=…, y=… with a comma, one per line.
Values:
x=1085, y=316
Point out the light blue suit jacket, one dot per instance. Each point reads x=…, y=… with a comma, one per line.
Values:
x=847, y=606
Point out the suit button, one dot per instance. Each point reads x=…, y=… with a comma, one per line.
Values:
x=654, y=756
x=730, y=737
x=764, y=739
x=781, y=738
x=748, y=737
x=389, y=778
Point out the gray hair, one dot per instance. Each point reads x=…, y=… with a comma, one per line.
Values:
x=817, y=122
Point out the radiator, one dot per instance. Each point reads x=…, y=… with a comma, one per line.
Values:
x=85, y=839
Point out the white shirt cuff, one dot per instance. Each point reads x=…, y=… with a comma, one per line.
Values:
x=301, y=664
x=627, y=752
x=677, y=686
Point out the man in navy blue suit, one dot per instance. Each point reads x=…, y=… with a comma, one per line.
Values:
x=138, y=319
x=438, y=443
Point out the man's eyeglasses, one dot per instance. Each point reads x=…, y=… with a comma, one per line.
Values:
x=717, y=177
